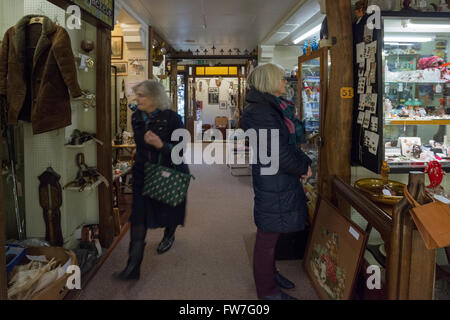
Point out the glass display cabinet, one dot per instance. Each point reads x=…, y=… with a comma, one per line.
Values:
x=416, y=91
x=406, y=106
x=312, y=92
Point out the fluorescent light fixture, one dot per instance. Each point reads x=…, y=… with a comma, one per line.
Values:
x=429, y=27
x=308, y=34
x=407, y=39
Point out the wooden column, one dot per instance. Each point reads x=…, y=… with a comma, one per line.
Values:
x=338, y=117
x=150, y=52
x=3, y=283
x=412, y=267
x=104, y=152
x=194, y=102
x=173, y=83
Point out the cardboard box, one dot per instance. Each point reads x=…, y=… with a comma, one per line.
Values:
x=58, y=289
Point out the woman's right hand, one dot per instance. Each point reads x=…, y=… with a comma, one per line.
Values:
x=307, y=175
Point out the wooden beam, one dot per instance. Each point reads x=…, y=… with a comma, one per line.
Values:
x=150, y=52
x=173, y=83
x=338, y=117
x=104, y=152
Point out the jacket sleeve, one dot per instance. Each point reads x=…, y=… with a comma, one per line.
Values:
x=176, y=123
x=291, y=161
x=4, y=64
x=66, y=61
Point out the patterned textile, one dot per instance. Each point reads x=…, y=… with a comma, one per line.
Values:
x=164, y=184
x=294, y=125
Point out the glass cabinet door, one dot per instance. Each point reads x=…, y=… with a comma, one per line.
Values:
x=312, y=87
x=416, y=92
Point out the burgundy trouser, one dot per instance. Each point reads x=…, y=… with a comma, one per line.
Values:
x=264, y=263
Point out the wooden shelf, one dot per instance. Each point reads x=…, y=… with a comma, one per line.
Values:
x=78, y=146
x=91, y=187
x=413, y=122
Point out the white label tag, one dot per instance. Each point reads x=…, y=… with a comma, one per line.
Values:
x=442, y=199
x=386, y=192
x=166, y=174
x=354, y=233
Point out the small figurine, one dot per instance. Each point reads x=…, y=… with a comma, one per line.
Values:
x=305, y=48
x=314, y=45
x=435, y=173
x=387, y=105
x=416, y=151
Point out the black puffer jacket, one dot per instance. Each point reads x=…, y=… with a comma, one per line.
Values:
x=280, y=202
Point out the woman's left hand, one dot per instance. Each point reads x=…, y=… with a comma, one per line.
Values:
x=153, y=139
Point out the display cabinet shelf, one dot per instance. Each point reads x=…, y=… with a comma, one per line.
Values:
x=420, y=82
x=412, y=122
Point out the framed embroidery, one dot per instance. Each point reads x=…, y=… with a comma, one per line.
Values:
x=334, y=253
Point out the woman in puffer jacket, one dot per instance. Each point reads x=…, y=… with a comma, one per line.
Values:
x=280, y=202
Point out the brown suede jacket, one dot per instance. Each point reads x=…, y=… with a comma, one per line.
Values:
x=53, y=73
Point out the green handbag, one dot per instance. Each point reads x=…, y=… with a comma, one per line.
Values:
x=164, y=184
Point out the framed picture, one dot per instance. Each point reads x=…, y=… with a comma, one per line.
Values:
x=122, y=68
x=334, y=252
x=223, y=105
x=213, y=95
x=116, y=47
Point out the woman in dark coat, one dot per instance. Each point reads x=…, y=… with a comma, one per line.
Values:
x=153, y=124
x=280, y=202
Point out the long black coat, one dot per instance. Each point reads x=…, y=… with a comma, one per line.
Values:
x=280, y=202
x=145, y=210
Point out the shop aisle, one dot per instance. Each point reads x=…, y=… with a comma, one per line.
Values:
x=211, y=255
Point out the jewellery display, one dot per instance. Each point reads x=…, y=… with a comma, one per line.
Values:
x=411, y=101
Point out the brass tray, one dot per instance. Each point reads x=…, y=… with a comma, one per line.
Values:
x=372, y=188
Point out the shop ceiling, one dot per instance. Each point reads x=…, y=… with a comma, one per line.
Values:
x=225, y=24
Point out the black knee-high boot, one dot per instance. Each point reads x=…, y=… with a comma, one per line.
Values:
x=168, y=239
x=135, y=254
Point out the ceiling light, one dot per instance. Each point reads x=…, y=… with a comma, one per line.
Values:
x=429, y=27
x=407, y=39
x=308, y=34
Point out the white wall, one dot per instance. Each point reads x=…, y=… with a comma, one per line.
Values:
x=287, y=56
x=210, y=112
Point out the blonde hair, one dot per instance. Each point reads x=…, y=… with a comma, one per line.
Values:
x=157, y=92
x=266, y=78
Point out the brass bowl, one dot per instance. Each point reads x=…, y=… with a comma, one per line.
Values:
x=372, y=188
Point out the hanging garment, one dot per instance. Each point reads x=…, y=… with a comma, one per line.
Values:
x=37, y=67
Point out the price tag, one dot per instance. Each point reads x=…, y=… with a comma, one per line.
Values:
x=347, y=93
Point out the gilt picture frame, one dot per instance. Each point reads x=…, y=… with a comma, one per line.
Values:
x=122, y=68
x=116, y=47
